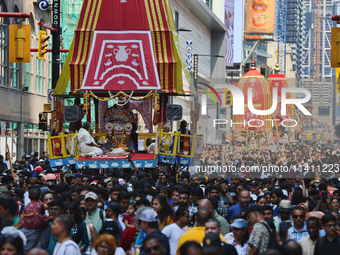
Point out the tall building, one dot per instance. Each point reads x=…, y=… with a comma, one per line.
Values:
x=296, y=35
x=317, y=45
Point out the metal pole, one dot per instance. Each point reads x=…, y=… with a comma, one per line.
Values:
x=56, y=43
x=194, y=124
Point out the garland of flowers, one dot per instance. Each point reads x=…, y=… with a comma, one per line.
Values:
x=122, y=142
x=114, y=136
x=120, y=93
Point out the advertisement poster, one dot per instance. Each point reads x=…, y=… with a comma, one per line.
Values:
x=260, y=16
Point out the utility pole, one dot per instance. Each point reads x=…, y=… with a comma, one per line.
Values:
x=55, y=43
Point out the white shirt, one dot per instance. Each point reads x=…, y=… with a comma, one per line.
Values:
x=67, y=247
x=120, y=220
x=173, y=232
x=27, y=200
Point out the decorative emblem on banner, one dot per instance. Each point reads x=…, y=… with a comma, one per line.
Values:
x=121, y=60
x=43, y=5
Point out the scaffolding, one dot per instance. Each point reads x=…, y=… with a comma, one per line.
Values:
x=282, y=35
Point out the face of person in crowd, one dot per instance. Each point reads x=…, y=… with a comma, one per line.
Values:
x=262, y=201
x=55, y=227
x=156, y=206
x=298, y=217
x=154, y=247
x=75, y=196
x=54, y=211
x=255, y=190
x=330, y=228
x=185, y=219
x=312, y=228
x=234, y=181
x=8, y=249
x=83, y=204
x=91, y=204
x=186, y=181
x=68, y=212
x=335, y=203
x=244, y=198
x=214, y=193
x=337, y=215
x=123, y=203
x=336, y=195
x=104, y=249
x=163, y=180
x=193, y=250
x=109, y=185
x=114, y=195
x=175, y=197
x=84, y=192
x=290, y=181
x=85, y=182
x=211, y=227
x=48, y=198
x=195, y=179
x=284, y=215
x=268, y=215
x=275, y=200
x=183, y=200
x=239, y=233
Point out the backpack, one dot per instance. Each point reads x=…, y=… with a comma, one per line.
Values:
x=272, y=239
x=101, y=215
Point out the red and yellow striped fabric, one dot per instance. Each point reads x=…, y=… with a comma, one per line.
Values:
x=127, y=15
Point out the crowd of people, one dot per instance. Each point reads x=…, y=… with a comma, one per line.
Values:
x=147, y=211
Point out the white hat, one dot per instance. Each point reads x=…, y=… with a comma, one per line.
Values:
x=14, y=231
x=91, y=195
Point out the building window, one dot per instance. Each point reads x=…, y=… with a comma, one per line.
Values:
x=40, y=76
x=176, y=19
x=3, y=46
x=209, y=3
x=14, y=75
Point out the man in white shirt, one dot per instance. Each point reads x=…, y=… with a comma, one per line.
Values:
x=61, y=229
x=175, y=230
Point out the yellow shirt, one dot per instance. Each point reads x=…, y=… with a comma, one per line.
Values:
x=196, y=234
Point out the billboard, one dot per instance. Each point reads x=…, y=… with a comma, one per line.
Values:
x=260, y=16
x=229, y=24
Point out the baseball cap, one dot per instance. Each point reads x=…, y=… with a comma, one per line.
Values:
x=32, y=154
x=94, y=183
x=91, y=195
x=239, y=223
x=254, y=208
x=50, y=177
x=254, y=183
x=285, y=206
x=148, y=215
x=121, y=181
x=116, y=208
x=212, y=243
x=41, y=160
x=76, y=175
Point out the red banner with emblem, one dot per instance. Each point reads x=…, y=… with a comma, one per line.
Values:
x=121, y=60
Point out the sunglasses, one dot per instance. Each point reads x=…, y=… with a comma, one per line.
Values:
x=298, y=216
x=86, y=180
x=156, y=248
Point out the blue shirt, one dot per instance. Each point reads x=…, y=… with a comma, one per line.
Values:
x=235, y=210
x=295, y=235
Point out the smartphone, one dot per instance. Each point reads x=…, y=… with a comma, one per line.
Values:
x=283, y=231
x=129, y=157
x=324, y=197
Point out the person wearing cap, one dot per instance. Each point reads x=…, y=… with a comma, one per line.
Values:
x=240, y=236
x=149, y=224
x=94, y=215
x=308, y=243
x=255, y=189
x=284, y=210
x=175, y=230
x=86, y=143
x=50, y=179
x=213, y=245
x=112, y=212
x=259, y=238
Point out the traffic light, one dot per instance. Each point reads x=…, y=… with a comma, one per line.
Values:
x=42, y=44
x=335, y=47
x=19, y=44
x=228, y=97
x=43, y=121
